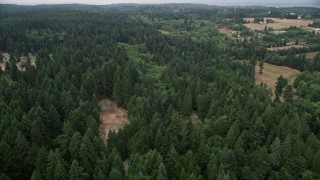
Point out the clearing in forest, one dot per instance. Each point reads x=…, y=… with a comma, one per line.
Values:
x=164, y=32
x=112, y=117
x=225, y=31
x=278, y=23
x=194, y=117
x=310, y=55
x=271, y=73
x=229, y=33
x=5, y=58
x=22, y=62
x=285, y=47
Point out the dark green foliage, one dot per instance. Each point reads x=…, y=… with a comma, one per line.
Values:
x=280, y=84
x=76, y=171
x=187, y=103
x=261, y=67
x=288, y=94
x=49, y=114
x=115, y=174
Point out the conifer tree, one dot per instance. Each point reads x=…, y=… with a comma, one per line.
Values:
x=187, y=103
x=77, y=172
x=117, y=94
x=115, y=174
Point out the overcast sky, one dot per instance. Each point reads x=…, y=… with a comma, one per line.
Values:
x=214, y=2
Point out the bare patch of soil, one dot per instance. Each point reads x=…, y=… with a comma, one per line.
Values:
x=194, y=117
x=112, y=117
x=21, y=64
x=5, y=58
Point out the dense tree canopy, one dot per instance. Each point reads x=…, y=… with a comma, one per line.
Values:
x=49, y=113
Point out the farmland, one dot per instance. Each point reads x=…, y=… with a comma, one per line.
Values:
x=225, y=31
x=285, y=47
x=278, y=24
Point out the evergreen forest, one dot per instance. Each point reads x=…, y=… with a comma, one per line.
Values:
x=163, y=64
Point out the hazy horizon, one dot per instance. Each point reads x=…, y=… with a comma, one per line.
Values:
x=280, y=3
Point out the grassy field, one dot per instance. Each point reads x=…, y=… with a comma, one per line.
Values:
x=225, y=31
x=271, y=73
x=310, y=55
x=285, y=47
x=278, y=24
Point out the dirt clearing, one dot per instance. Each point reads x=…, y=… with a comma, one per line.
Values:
x=194, y=117
x=112, y=117
x=271, y=73
x=5, y=58
x=278, y=24
x=21, y=65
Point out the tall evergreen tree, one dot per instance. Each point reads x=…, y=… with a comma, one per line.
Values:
x=187, y=103
x=77, y=172
x=280, y=84
x=115, y=174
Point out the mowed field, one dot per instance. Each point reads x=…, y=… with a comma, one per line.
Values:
x=285, y=47
x=112, y=117
x=225, y=31
x=310, y=55
x=271, y=73
x=278, y=24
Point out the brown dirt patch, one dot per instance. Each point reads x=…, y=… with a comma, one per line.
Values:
x=285, y=47
x=5, y=58
x=278, y=24
x=112, y=117
x=271, y=73
x=20, y=65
